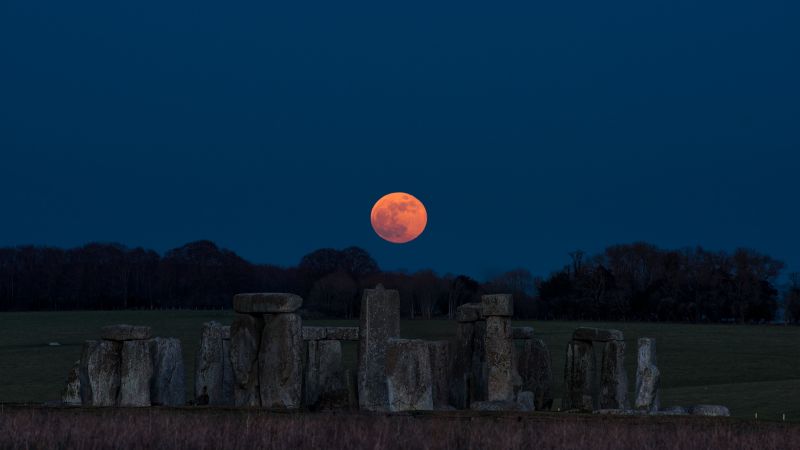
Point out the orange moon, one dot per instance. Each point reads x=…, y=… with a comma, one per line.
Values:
x=399, y=217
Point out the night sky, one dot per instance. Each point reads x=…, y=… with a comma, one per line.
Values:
x=528, y=129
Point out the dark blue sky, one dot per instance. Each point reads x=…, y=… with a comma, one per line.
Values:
x=529, y=129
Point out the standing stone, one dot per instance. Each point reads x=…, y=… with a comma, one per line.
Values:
x=168, y=387
x=380, y=321
x=579, y=376
x=72, y=391
x=280, y=361
x=440, y=373
x=461, y=360
x=478, y=378
x=245, y=340
x=648, y=377
x=537, y=373
x=613, y=379
x=408, y=375
x=100, y=372
x=499, y=379
x=209, y=369
x=228, y=379
x=135, y=374
x=325, y=377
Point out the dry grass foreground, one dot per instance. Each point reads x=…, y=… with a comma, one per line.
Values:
x=218, y=428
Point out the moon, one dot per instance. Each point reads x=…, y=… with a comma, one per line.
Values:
x=399, y=217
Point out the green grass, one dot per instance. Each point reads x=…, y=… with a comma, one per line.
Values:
x=747, y=368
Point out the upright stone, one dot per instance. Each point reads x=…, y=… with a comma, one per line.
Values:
x=168, y=387
x=478, y=378
x=135, y=374
x=440, y=373
x=209, y=369
x=325, y=377
x=100, y=372
x=280, y=361
x=461, y=369
x=408, y=375
x=71, y=395
x=537, y=373
x=648, y=377
x=579, y=376
x=498, y=347
x=613, y=379
x=245, y=340
x=380, y=321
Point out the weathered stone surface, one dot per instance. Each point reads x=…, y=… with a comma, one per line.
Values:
x=125, y=332
x=648, y=376
x=468, y=312
x=280, y=361
x=495, y=405
x=408, y=375
x=100, y=372
x=71, y=395
x=314, y=333
x=461, y=365
x=499, y=380
x=341, y=333
x=168, y=387
x=228, y=378
x=526, y=401
x=709, y=410
x=535, y=366
x=245, y=339
x=522, y=332
x=478, y=378
x=324, y=376
x=597, y=334
x=135, y=374
x=209, y=369
x=380, y=321
x=497, y=305
x=579, y=376
x=267, y=303
x=613, y=378
x=440, y=372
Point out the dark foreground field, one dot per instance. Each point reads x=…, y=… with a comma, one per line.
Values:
x=203, y=428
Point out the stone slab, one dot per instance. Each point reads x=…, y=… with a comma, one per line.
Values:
x=380, y=321
x=209, y=366
x=497, y=305
x=245, y=340
x=499, y=354
x=613, y=377
x=408, y=375
x=280, y=362
x=100, y=372
x=579, y=376
x=135, y=374
x=168, y=387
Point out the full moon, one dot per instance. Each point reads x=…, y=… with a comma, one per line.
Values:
x=399, y=217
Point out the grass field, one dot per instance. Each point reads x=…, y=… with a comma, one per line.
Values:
x=750, y=369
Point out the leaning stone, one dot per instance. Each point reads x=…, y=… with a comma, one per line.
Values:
x=380, y=321
x=408, y=375
x=100, y=373
x=468, y=312
x=168, y=387
x=579, y=376
x=597, y=334
x=135, y=374
x=125, y=332
x=613, y=378
x=648, y=377
x=280, y=361
x=497, y=305
x=495, y=405
x=522, y=332
x=461, y=365
x=710, y=410
x=209, y=370
x=526, y=401
x=440, y=372
x=72, y=391
x=314, y=333
x=270, y=302
x=537, y=374
x=245, y=340
x=499, y=379
x=325, y=378
x=341, y=333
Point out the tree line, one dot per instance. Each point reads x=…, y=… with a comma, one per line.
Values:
x=625, y=282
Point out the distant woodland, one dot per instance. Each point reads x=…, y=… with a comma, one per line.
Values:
x=625, y=282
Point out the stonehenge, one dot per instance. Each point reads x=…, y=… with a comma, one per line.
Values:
x=267, y=359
